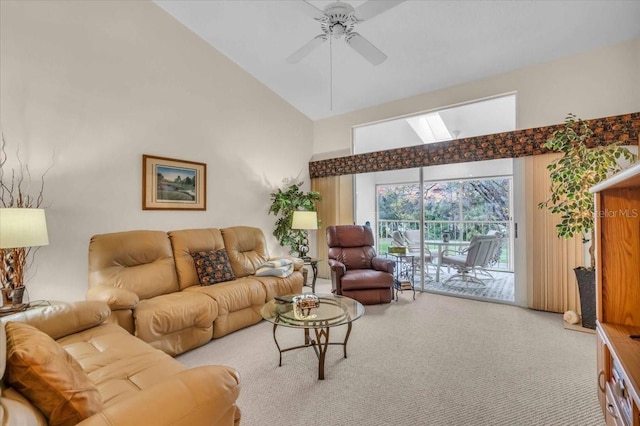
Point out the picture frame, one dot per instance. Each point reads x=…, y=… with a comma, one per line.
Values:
x=172, y=184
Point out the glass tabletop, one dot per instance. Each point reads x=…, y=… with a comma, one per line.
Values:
x=333, y=311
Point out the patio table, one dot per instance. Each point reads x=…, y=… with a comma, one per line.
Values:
x=443, y=246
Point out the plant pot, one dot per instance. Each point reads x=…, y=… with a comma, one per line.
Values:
x=12, y=296
x=587, y=289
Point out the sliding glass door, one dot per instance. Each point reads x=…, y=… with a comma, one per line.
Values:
x=421, y=208
x=434, y=218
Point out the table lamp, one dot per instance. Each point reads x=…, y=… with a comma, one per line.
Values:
x=20, y=229
x=304, y=220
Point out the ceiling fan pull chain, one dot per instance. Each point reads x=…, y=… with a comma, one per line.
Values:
x=330, y=74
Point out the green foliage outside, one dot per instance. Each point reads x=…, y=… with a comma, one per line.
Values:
x=450, y=202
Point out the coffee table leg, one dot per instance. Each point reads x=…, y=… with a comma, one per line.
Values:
x=275, y=325
x=346, y=338
x=322, y=340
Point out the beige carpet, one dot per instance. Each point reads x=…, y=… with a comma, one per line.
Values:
x=438, y=360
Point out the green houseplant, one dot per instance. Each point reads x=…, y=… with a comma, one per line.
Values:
x=572, y=175
x=283, y=204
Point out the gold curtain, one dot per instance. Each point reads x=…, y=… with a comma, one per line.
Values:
x=551, y=284
x=336, y=208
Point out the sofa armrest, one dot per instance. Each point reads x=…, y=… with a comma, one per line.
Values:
x=382, y=264
x=116, y=298
x=297, y=263
x=203, y=395
x=64, y=318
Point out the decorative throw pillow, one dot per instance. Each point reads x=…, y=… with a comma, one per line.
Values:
x=213, y=266
x=48, y=376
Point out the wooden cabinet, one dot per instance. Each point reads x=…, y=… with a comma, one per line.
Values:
x=617, y=246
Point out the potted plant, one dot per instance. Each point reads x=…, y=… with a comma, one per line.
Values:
x=283, y=204
x=14, y=193
x=572, y=175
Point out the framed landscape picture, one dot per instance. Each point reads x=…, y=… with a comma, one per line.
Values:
x=170, y=184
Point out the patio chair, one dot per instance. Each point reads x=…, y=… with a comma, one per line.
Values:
x=466, y=262
x=399, y=239
x=412, y=236
x=495, y=255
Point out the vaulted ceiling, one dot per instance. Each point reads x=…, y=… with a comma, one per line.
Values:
x=429, y=45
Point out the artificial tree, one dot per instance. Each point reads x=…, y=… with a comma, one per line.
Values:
x=283, y=204
x=580, y=167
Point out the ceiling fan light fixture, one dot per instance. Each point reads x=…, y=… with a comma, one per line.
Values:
x=337, y=30
x=338, y=20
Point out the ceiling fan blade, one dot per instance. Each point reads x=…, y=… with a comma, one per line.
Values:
x=374, y=7
x=365, y=48
x=297, y=56
x=311, y=10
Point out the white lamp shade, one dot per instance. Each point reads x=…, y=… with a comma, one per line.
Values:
x=22, y=228
x=304, y=220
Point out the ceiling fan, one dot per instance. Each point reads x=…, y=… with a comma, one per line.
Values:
x=339, y=19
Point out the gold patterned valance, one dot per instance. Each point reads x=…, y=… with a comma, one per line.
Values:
x=518, y=143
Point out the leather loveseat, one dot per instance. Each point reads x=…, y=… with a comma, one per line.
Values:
x=150, y=282
x=65, y=365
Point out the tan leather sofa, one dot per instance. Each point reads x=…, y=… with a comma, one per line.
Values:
x=149, y=280
x=126, y=381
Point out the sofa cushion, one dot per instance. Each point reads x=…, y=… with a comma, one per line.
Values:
x=363, y=279
x=246, y=247
x=119, y=364
x=48, y=376
x=140, y=261
x=239, y=303
x=212, y=266
x=276, y=286
x=187, y=241
x=176, y=322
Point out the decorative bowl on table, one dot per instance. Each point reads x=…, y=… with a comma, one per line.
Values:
x=303, y=304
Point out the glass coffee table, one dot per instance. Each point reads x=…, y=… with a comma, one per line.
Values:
x=332, y=311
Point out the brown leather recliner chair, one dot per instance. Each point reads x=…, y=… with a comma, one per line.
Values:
x=356, y=271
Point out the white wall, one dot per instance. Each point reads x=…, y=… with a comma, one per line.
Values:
x=593, y=84
x=94, y=85
x=476, y=118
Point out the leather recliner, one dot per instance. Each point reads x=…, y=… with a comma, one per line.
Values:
x=356, y=271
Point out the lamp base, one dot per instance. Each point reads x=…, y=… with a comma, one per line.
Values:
x=302, y=252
